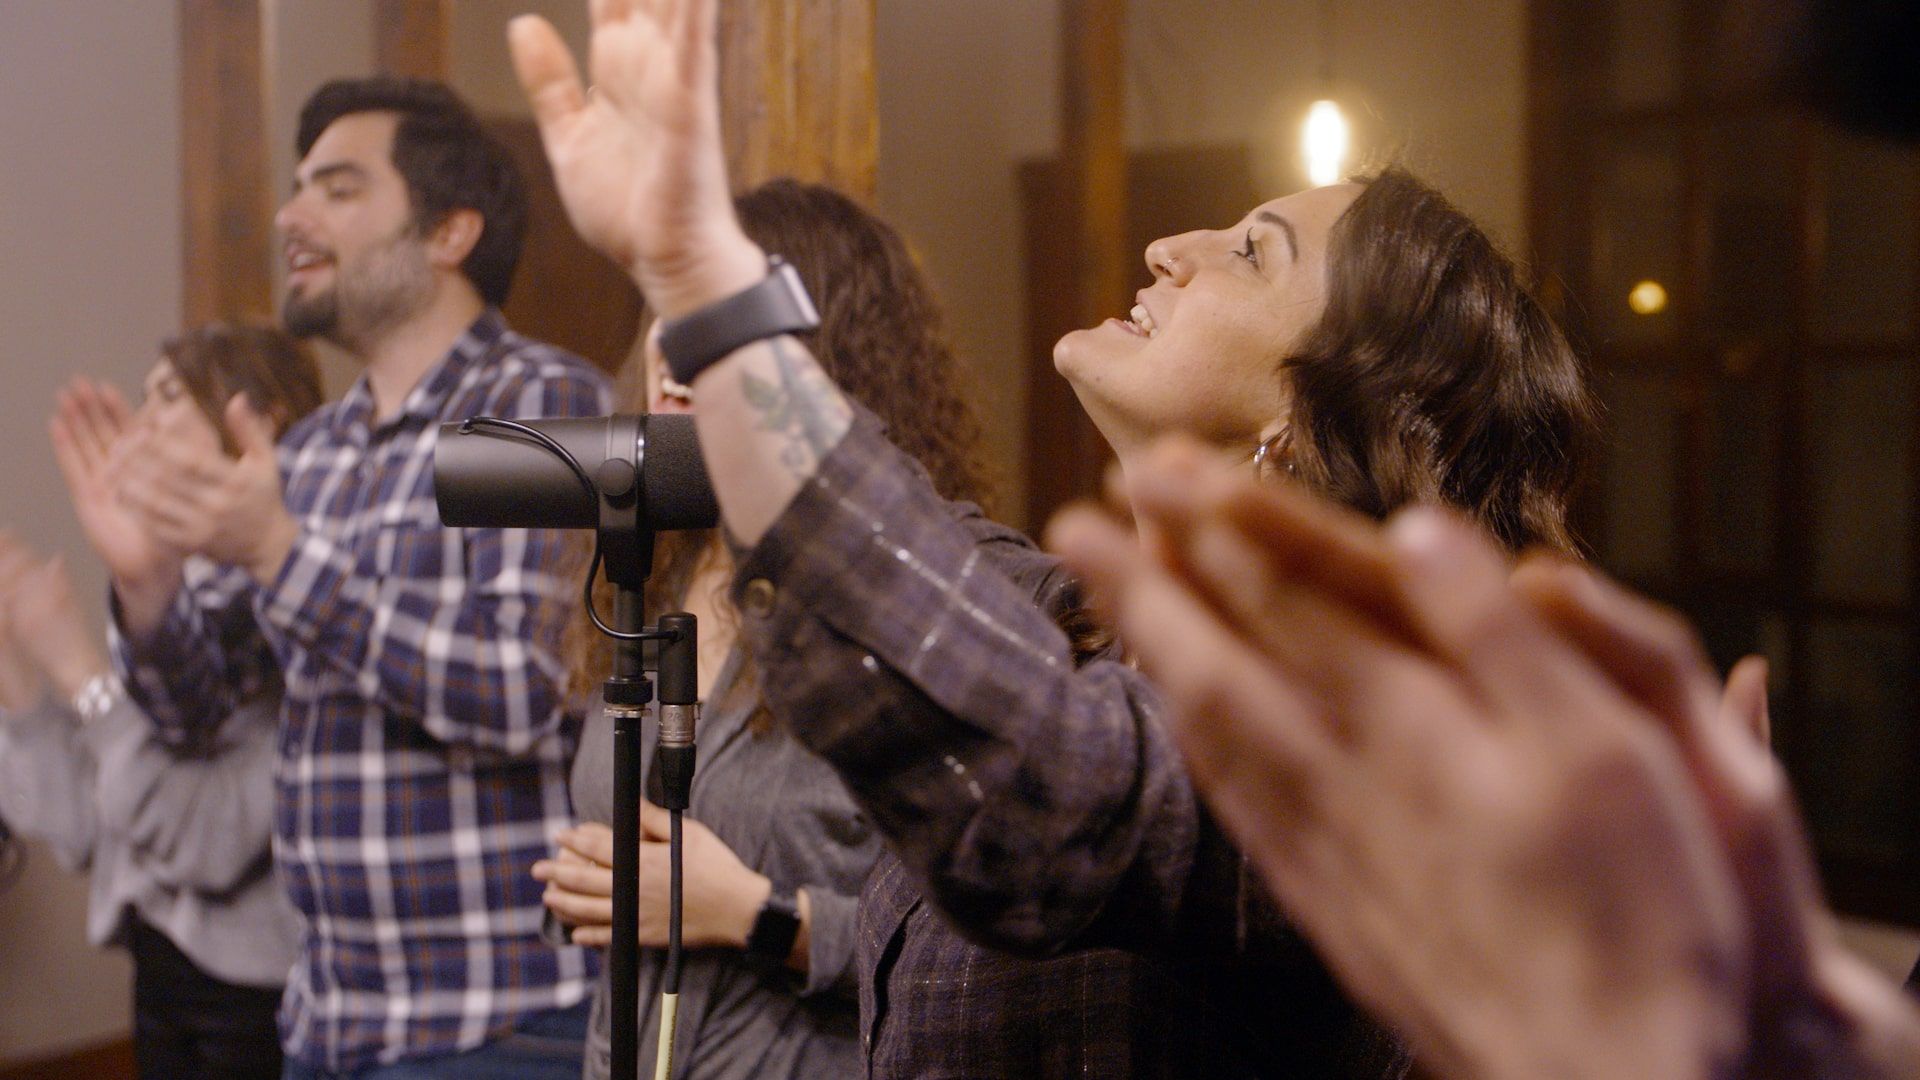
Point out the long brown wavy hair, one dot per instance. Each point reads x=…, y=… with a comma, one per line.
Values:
x=1435, y=375
x=882, y=340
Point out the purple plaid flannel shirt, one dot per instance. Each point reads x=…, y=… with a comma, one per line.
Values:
x=425, y=740
x=1055, y=901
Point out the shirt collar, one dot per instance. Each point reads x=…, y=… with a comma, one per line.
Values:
x=423, y=404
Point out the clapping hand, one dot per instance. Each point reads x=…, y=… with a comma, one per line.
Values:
x=195, y=498
x=91, y=428
x=21, y=685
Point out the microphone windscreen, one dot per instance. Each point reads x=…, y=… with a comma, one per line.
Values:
x=673, y=476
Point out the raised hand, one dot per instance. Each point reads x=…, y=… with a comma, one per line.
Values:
x=50, y=628
x=89, y=421
x=196, y=499
x=638, y=156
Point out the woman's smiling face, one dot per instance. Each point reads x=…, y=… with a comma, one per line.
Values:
x=1200, y=353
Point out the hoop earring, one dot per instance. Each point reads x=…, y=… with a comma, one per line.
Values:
x=1280, y=444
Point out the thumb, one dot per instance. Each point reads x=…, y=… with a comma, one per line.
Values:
x=1744, y=702
x=251, y=432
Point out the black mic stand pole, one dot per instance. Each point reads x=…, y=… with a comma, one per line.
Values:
x=627, y=692
x=627, y=554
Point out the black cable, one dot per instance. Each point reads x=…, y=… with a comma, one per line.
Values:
x=671, y=983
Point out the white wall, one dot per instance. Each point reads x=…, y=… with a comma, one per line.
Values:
x=89, y=281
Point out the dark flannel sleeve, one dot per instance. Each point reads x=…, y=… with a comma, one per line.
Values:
x=207, y=656
x=1028, y=797
x=470, y=653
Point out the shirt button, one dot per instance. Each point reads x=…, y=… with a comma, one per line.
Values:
x=757, y=598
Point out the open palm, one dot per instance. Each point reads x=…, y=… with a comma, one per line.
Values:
x=638, y=158
x=90, y=425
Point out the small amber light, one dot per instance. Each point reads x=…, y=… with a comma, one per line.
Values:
x=1647, y=298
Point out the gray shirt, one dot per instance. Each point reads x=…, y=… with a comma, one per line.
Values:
x=180, y=840
x=786, y=814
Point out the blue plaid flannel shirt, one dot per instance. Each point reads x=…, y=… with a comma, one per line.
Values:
x=425, y=737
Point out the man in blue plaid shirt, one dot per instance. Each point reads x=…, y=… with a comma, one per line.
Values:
x=424, y=738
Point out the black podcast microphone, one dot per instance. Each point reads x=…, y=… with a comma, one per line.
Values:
x=494, y=474
x=627, y=477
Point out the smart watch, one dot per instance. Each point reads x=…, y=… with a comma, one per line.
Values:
x=770, y=941
x=777, y=305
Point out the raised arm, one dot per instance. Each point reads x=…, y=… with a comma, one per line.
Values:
x=641, y=169
x=946, y=756
x=46, y=771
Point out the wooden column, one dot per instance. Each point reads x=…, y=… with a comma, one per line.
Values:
x=410, y=37
x=227, y=204
x=1095, y=262
x=1093, y=123
x=797, y=92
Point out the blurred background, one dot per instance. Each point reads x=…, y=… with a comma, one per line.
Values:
x=1744, y=277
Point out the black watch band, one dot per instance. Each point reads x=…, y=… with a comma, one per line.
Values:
x=771, y=940
x=777, y=305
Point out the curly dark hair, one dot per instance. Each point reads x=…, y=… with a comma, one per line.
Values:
x=1435, y=375
x=882, y=341
x=448, y=160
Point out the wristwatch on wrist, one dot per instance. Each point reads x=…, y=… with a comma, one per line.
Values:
x=96, y=697
x=771, y=940
x=779, y=304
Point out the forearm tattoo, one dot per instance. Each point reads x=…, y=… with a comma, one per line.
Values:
x=801, y=405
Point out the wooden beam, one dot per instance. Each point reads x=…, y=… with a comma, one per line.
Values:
x=1093, y=122
x=410, y=37
x=227, y=204
x=797, y=92
x=1097, y=260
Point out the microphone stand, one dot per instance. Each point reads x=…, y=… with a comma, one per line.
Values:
x=483, y=484
x=628, y=556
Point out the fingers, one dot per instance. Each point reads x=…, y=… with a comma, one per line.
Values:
x=85, y=421
x=1648, y=652
x=1224, y=696
x=1743, y=704
x=577, y=908
x=16, y=562
x=546, y=69
x=1460, y=596
x=1297, y=535
x=77, y=467
x=603, y=12
x=1653, y=656
x=252, y=433
x=590, y=840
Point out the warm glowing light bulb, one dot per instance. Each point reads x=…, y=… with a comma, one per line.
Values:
x=1647, y=298
x=1323, y=139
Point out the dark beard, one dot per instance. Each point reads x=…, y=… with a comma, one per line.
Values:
x=311, y=316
